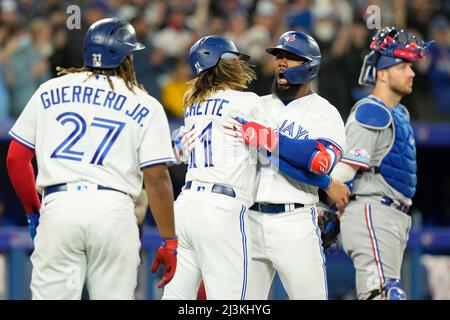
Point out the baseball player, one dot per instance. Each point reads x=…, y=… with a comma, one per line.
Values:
x=310, y=135
x=97, y=135
x=211, y=211
x=380, y=163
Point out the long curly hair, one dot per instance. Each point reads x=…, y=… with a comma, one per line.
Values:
x=125, y=71
x=227, y=74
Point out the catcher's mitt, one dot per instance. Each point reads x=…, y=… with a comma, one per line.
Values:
x=329, y=225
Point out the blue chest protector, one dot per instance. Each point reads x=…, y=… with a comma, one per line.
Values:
x=398, y=166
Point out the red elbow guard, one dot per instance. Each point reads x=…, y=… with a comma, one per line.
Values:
x=321, y=161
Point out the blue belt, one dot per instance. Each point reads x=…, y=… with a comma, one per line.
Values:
x=63, y=187
x=272, y=208
x=216, y=188
x=390, y=203
x=387, y=201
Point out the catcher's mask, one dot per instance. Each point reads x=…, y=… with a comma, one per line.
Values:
x=390, y=47
x=304, y=46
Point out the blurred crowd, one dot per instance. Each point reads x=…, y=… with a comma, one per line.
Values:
x=34, y=39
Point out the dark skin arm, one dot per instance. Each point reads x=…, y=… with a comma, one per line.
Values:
x=338, y=194
x=160, y=197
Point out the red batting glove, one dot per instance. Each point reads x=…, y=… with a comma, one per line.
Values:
x=167, y=255
x=257, y=135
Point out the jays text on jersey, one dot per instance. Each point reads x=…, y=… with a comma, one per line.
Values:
x=310, y=117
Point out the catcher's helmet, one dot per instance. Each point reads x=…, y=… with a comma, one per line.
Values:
x=206, y=52
x=108, y=42
x=388, y=48
x=304, y=46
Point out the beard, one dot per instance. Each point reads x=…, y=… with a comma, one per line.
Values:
x=401, y=90
x=286, y=91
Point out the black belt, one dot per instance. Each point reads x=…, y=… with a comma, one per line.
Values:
x=272, y=207
x=63, y=187
x=387, y=201
x=216, y=188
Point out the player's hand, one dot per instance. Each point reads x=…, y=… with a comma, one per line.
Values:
x=338, y=194
x=233, y=129
x=184, y=142
x=167, y=255
x=252, y=133
x=33, y=222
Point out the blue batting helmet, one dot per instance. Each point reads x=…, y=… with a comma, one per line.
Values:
x=304, y=46
x=206, y=52
x=390, y=47
x=108, y=42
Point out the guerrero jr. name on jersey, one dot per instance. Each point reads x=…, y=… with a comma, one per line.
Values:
x=94, y=96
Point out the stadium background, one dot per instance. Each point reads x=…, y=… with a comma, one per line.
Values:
x=34, y=39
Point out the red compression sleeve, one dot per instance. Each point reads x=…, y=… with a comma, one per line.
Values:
x=21, y=173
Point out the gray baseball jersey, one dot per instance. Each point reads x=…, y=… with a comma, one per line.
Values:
x=366, y=148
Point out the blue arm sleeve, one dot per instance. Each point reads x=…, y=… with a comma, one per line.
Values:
x=299, y=152
x=296, y=152
x=317, y=180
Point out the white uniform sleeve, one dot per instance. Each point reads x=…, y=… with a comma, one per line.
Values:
x=156, y=146
x=24, y=130
x=253, y=109
x=260, y=115
x=328, y=125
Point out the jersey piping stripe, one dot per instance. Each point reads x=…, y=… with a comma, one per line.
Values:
x=374, y=242
x=156, y=161
x=244, y=250
x=355, y=162
x=21, y=140
x=313, y=216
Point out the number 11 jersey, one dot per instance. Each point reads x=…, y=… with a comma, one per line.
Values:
x=217, y=158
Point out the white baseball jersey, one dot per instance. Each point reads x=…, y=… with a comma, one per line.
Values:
x=215, y=158
x=213, y=225
x=81, y=130
x=309, y=117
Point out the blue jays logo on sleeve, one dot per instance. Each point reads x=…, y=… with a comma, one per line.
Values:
x=360, y=153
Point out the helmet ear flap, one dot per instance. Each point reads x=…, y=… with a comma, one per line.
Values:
x=303, y=73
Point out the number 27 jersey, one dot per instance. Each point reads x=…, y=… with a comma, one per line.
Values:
x=82, y=130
